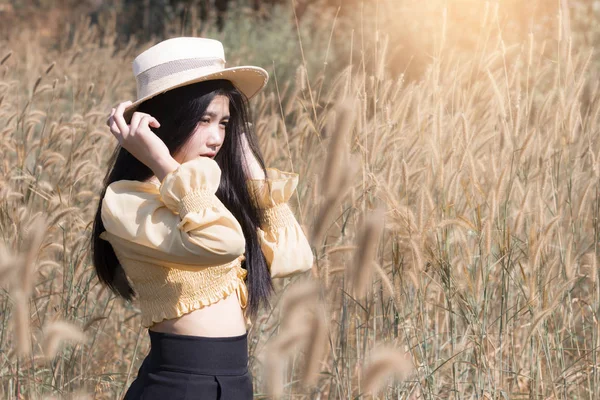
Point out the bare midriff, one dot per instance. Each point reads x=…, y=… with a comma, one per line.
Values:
x=221, y=319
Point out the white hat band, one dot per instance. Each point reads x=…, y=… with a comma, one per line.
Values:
x=161, y=77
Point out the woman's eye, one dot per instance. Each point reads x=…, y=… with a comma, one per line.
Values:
x=205, y=120
x=225, y=123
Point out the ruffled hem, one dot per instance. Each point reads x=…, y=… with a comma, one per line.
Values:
x=236, y=285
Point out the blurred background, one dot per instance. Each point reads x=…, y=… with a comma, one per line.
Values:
x=267, y=28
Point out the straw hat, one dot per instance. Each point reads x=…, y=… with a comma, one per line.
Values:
x=185, y=60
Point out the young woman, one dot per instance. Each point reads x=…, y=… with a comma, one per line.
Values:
x=191, y=223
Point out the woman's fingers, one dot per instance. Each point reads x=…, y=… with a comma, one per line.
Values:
x=143, y=127
x=154, y=122
x=114, y=129
x=137, y=137
x=118, y=117
x=110, y=117
x=110, y=122
x=140, y=122
x=135, y=122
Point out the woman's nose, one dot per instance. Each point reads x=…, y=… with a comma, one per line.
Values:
x=214, y=135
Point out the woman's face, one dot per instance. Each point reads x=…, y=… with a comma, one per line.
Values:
x=207, y=139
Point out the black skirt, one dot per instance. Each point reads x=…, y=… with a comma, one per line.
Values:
x=181, y=367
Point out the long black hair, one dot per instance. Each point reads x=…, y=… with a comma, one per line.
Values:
x=179, y=112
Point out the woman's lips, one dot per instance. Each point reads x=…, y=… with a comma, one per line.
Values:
x=209, y=154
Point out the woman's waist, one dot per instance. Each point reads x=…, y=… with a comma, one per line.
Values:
x=222, y=318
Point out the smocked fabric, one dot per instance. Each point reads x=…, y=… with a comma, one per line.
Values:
x=182, y=249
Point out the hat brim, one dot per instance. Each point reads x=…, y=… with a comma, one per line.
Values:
x=248, y=80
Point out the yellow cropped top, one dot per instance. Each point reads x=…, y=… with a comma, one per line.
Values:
x=182, y=249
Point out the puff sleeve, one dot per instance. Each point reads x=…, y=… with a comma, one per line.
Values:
x=182, y=221
x=283, y=242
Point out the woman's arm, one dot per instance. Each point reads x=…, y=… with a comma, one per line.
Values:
x=283, y=242
x=181, y=222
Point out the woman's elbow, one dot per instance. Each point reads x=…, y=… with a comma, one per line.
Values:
x=230, y=245
x=216, y=249
x=235, y=245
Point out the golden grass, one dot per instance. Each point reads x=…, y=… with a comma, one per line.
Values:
x=481, y=276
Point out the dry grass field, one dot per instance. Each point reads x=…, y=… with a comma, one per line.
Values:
x=453, y=212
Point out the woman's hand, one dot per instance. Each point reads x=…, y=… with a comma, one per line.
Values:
x=252, y=168
x=138, y=139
